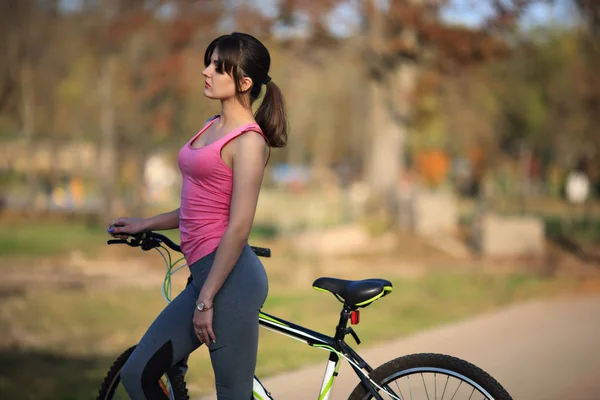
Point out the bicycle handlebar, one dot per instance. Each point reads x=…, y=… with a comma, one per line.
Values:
x=150, y=240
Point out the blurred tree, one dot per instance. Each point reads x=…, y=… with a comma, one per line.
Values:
x=405, y=81
x=402, y=38
x=24, y=26
x=544, y=104
x=109, y=24
x=145, y=46
x=158, y=80
x=590, y=14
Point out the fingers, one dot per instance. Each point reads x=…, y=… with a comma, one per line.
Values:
x=198, y=330
x=117, y=231
x=118, y=221
x=210, y=334
x=114, y=232
x=204, y=332
x=117, y=226
x=201, y=334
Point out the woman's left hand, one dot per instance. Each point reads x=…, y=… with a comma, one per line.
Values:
x=203, y=326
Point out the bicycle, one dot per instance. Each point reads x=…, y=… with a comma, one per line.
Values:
x=374, y=383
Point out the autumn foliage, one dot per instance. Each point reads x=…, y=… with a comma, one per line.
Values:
x=433, y=166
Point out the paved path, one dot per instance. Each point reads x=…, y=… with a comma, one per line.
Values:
x=542, y=350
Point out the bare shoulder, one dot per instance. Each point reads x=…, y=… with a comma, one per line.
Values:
x=252, y=140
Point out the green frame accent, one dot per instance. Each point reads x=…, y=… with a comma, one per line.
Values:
x=270, y=318
x=329, y=384
x=259, y=397
x=386, y=290
x=338, y=348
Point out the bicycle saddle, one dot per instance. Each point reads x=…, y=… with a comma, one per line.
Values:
x=354, y=293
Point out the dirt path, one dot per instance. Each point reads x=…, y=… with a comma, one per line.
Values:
x=541, y=350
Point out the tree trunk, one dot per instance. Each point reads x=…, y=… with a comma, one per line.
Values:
x=28, y=121
x=296, y=152
x=524, y=189
x=108, y=159
x=385, y=161
x=324, y=140
x=390, y=93
x=136, y=206
x=390, y=111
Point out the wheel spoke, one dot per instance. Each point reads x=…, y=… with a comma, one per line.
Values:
x=425, y=386
x=445, y=386
x=473, y=391
x=460, y=391
x=458, y=387
x=400, y=390
x=406, y=372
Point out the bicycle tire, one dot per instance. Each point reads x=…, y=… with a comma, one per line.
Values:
x=112, y=379
x=399, y=367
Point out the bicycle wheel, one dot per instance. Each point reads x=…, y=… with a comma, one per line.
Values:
x=172, y=383
x=432, y=376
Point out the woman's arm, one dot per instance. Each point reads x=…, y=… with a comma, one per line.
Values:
x=123, y=227
x=248, y=171
x=162, y=222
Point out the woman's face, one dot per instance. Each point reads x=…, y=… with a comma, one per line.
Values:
x=217, y=83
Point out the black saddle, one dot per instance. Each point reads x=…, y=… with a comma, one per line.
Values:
x=354, y=293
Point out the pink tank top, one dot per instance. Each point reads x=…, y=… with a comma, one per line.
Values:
x=205, y=193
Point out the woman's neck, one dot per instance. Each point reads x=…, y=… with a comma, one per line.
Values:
x=233, y=113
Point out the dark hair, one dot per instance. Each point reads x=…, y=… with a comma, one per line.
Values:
x=242, y=55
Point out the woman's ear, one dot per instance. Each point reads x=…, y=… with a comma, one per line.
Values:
x=245, y=84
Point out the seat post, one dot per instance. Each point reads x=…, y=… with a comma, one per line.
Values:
x=340, y=330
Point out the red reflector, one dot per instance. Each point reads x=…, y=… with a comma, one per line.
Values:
x=355, y=317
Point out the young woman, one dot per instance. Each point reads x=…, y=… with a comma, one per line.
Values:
x=222, y=169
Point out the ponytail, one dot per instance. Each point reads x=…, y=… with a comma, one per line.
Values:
x=271, y=116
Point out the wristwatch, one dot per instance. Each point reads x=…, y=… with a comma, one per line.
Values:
x=200, y=306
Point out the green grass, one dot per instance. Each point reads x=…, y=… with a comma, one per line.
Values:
x=46, y=239
x=60, y=344
x=31, y=239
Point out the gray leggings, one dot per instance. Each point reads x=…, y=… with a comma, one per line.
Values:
x=171, y=336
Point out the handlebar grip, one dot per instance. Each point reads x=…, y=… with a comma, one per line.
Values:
x=117, y=241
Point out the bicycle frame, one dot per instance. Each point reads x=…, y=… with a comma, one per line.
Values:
x=336, y=346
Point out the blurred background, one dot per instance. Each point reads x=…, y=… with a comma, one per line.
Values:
x=451, y=146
